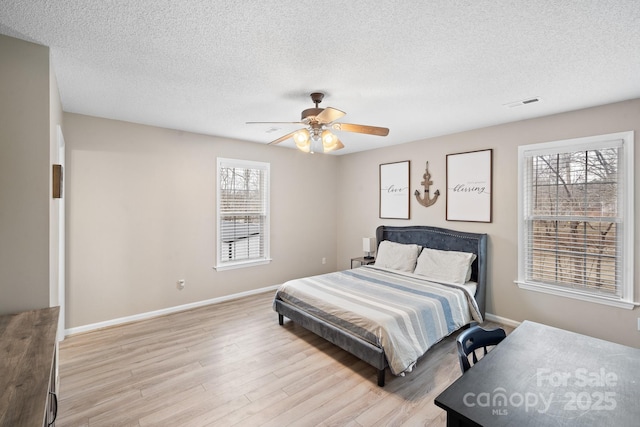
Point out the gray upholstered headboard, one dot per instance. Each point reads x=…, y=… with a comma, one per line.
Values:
x=446, y=240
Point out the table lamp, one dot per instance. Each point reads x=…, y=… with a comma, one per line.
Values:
x=368, y=246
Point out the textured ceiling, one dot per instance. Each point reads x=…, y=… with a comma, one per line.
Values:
x=420, y=68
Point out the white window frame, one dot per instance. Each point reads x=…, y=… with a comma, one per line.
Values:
x=626, y=298
x=265, y=258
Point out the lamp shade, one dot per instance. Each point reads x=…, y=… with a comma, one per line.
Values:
x=368, y=245
x=301, y=139
x=330, y=142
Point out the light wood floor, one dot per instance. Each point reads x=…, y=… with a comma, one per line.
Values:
x=232, y=364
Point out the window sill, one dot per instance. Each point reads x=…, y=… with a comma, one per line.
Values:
x=236, y=265
x=582, y=296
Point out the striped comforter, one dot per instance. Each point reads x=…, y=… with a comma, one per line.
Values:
x=400, y=312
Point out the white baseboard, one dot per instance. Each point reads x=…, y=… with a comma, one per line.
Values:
x=502, y=320
x=156, y=313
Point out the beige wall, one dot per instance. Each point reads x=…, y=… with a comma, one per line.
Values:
x=141, y=215
x=358, y=207
x=24, y=174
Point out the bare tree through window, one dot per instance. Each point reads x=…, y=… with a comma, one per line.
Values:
x=573, y=217
x=242, y=210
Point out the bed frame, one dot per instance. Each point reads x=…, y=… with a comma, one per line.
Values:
x=430, y=237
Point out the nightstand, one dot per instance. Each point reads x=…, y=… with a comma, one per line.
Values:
x=362, y=261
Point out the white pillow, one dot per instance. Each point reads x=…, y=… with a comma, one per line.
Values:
x=397, y=256
x=446, y=266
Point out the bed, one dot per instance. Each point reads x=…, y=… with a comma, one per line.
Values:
x=389, y=317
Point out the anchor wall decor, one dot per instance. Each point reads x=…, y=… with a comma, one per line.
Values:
x=426, y=200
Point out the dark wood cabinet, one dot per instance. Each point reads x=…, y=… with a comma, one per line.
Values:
x=28, y=346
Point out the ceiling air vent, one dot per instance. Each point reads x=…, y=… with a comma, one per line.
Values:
x=522, y=102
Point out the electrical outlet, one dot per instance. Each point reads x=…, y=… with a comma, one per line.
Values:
x=639, y=323
x=181, y=284
x=324, y=261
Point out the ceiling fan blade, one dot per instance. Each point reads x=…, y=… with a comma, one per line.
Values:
x=329, y=115
x=282, y=138
x=371, y=130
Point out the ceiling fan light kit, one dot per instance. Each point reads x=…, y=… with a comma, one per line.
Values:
x=316, y=137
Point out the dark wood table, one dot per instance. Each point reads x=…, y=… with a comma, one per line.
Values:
x=544, y=376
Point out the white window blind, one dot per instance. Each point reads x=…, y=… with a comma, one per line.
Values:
x=576, y=218
x=243, y=213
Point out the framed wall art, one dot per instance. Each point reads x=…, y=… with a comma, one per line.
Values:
x=394, y=190
x=469, y=186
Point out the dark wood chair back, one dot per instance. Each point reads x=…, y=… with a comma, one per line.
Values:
x=475, y=338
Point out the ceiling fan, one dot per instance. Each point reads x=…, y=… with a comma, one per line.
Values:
x=316, y=136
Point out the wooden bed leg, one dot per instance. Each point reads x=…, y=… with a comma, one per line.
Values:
x=381, y=377
x=280, y=319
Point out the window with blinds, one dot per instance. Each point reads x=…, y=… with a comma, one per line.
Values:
x=576, y=218
x=242, y=213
